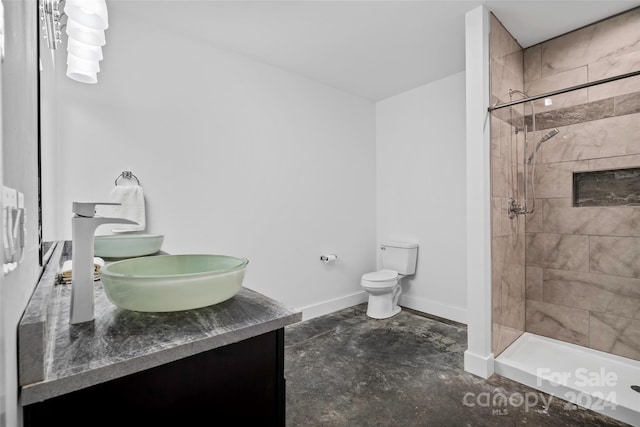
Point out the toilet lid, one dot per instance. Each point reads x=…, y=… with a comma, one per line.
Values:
x=380, y=276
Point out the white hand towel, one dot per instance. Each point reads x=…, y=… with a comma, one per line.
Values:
x=131, y=198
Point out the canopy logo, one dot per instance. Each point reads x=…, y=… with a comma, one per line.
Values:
x=500, y=401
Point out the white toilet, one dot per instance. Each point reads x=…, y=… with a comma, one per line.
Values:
x=384, y=286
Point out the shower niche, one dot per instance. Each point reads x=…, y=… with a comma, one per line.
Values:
x=616, y=187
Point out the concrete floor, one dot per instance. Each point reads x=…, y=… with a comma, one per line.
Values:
x=345, y=369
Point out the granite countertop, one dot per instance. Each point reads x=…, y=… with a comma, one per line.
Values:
x=55, y=357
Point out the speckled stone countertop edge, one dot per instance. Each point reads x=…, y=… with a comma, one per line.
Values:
x=57, y=381
x=37, y=392
x=34, y=326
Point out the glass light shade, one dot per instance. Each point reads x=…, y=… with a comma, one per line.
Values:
x=85, y=34
x=81, y=76
x=91, y=13
x=83, y=64
x=83, y=50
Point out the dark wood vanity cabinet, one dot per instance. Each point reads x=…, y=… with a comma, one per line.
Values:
x=239, y=384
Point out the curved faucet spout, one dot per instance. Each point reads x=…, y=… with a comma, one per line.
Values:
x=84, y=225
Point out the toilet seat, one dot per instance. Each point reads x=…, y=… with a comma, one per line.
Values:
x=380, y=279
x=381, y=276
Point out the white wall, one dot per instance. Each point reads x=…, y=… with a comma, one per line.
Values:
x=420, y=143
x=235, y=157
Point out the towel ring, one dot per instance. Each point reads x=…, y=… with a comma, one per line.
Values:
x=127, y=175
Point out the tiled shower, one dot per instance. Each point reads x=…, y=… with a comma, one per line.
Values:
x=570, y=270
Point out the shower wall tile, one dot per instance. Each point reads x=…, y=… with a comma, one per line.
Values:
x=559, y=251
x=520, y=241
x=534, y=283
x=496, y=216
x=595, y=110
x=532, y=63
x=611, y=67
x=513, y=296
x=499, y=177
x=501, y=41
x=602, y=293
x=515, y=64
x=504, y=77
x=495, y=127
x=515, y=116
x=507, y=140
x=627, y=104
x=617, y=335
x=516, y=142
x=615, y=36
x=518, y=231
x=517, y=182
x=561, y=217
x=556, y=179
x=620, y=105
x=499, y=252
x=619, y=162
x=507, y=245
x=509, y=225
x=536, y=244
x=505, y=61
x=512, y=115
x=535, y=223
x=508, y=249
x=501, y=224
x=619, y=256
x=503, y=336
x=567, y=252
x=532, y=140
x=610, y=137
x=496, y=291
x=557, y=81
x=502, y=113
x=554, y=321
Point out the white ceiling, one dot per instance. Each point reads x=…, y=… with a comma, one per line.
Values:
x=373, y=49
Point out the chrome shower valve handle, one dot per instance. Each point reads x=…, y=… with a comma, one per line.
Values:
x=514, y=209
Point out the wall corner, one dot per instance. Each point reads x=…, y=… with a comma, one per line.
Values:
x=478, y=357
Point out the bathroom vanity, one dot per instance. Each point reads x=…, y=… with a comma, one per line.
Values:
x=213, y=366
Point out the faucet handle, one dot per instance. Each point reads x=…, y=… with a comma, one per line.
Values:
x=88, y=209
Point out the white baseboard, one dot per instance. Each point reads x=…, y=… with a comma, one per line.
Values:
x=434, y=308
x=479, y=365
x=326, y=307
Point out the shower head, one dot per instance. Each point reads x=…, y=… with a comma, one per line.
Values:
x=547, y=136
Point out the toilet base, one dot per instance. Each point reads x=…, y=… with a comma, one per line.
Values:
x=382, y=307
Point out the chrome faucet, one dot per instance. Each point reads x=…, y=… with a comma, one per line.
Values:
x=84, y=224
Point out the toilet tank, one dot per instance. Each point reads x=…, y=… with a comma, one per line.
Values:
x=399, y=256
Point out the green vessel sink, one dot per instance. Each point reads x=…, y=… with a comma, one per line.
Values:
x=126, y=245
x=173, y=282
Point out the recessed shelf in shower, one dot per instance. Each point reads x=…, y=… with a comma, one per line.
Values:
x=615, y=187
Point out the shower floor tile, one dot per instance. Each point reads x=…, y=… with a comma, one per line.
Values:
x=345, y=369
